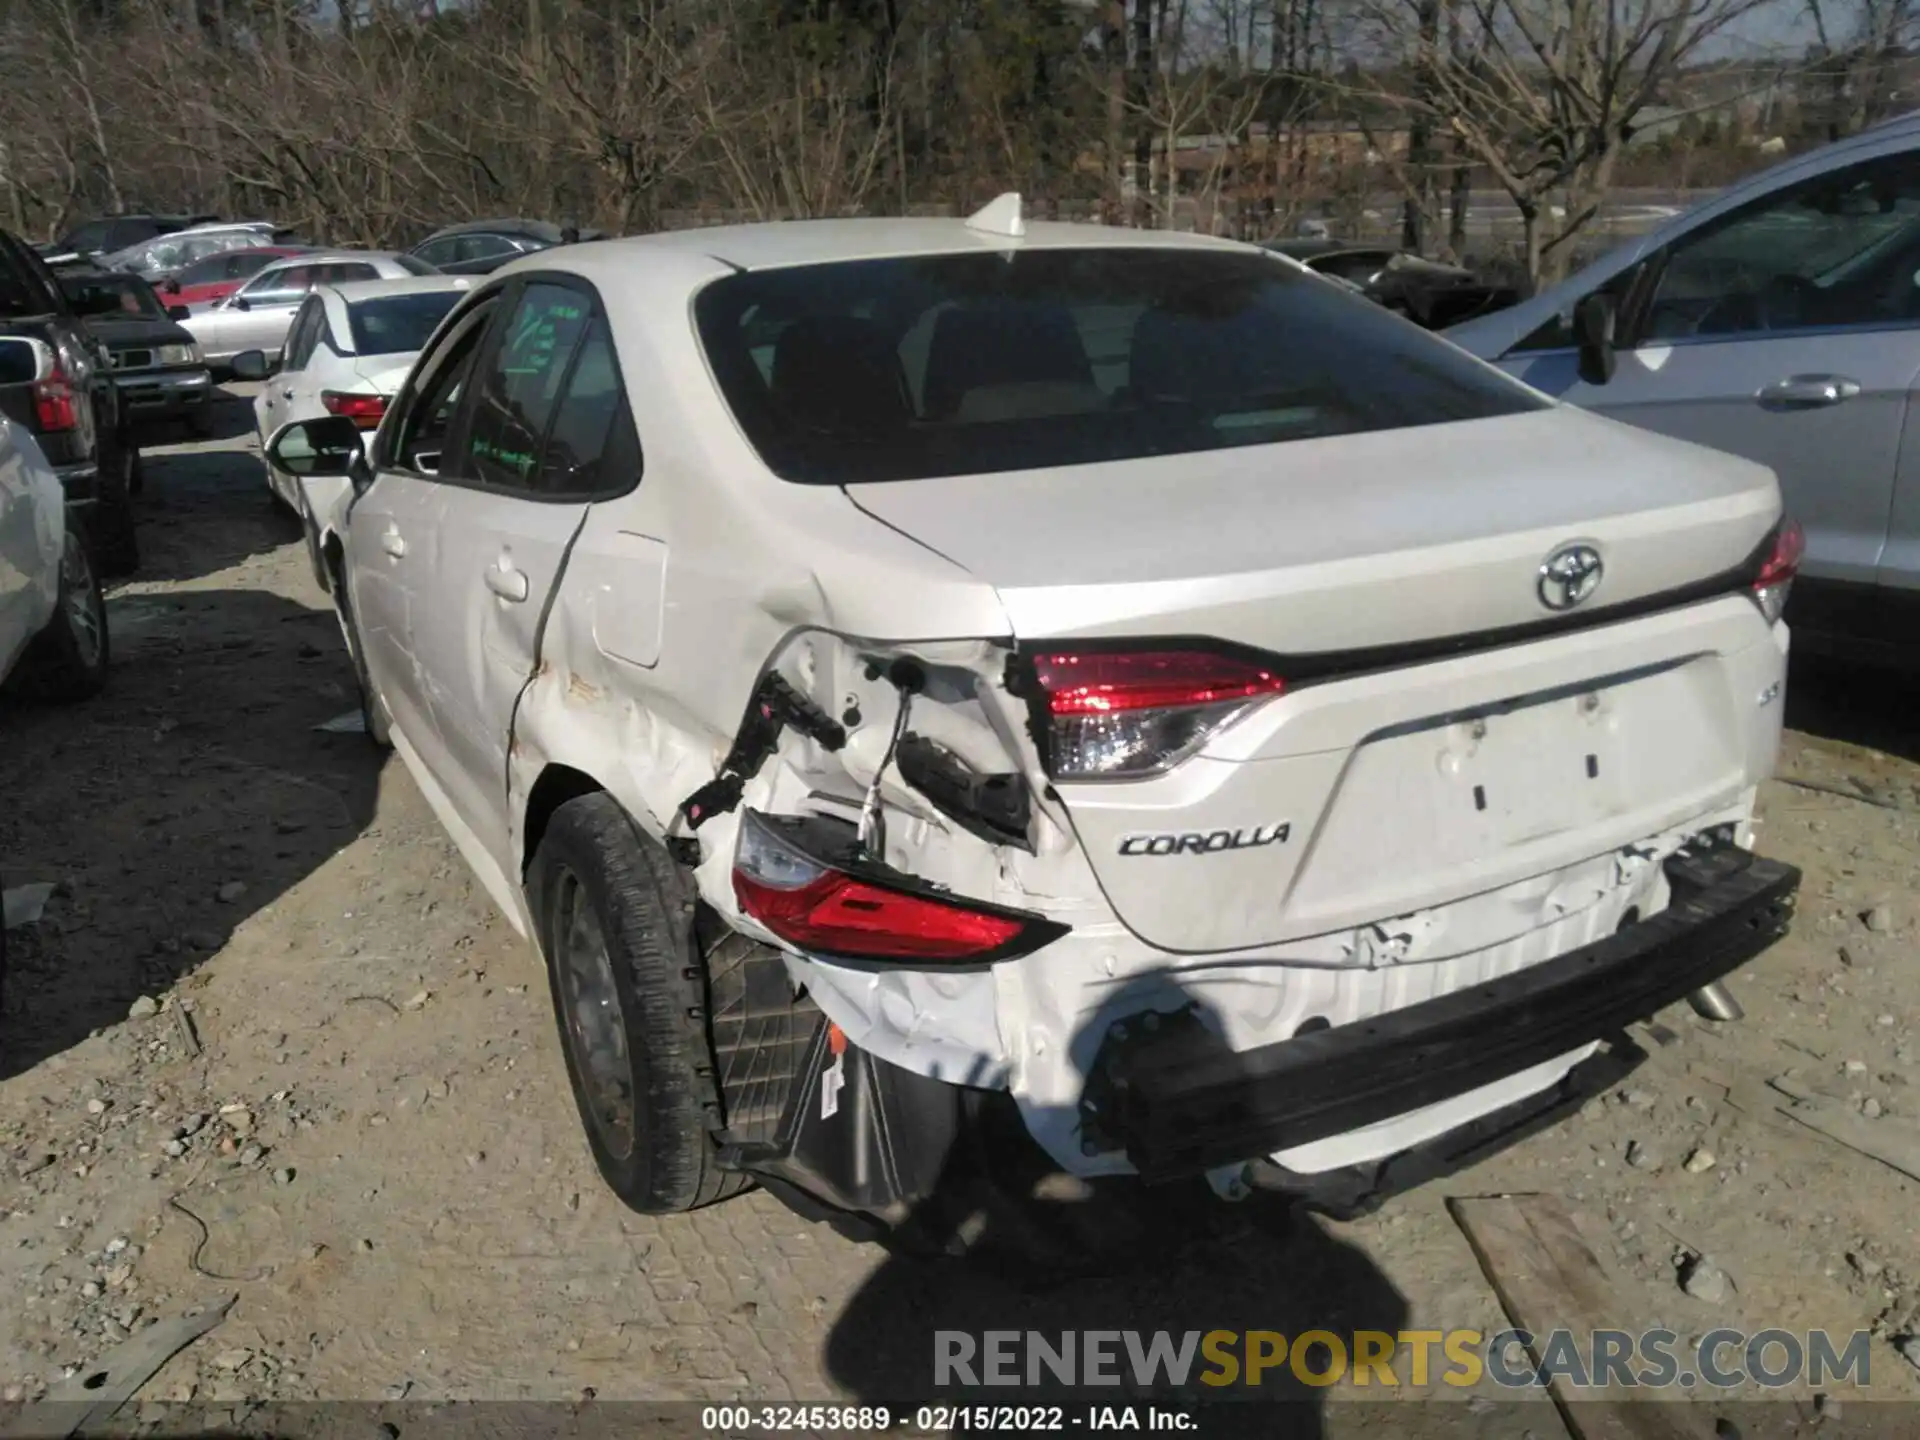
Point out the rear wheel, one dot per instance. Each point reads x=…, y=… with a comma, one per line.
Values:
x=113, y=528
x=68, y=659
x=615, y=919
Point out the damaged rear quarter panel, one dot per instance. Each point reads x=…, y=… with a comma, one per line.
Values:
x=677, y=596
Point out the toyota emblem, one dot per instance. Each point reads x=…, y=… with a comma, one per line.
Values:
x=1569, y=576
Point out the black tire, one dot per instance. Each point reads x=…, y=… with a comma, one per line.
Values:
x=64, y=662
x=137, y=481
x=373, y=710
x=598, y=881
x=115, y=542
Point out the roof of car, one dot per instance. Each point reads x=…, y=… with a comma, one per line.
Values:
x=330, y=257
x=539, y=229
x=353, y=291
x=781, y=243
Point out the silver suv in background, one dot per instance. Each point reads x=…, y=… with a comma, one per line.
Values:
x=1779, y=321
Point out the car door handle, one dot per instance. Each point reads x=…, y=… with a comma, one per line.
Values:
x=393, y=542
x=286, y=392
x=1807, y=392
x=507, y=582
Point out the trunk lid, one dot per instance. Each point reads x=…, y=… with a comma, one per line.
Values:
x=1429, y=742
x=382, y=374
x=1350, y=542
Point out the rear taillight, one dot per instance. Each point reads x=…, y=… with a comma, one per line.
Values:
x=805, y=881
x=1120, y=715
x=1775, y=580
x=55, y=407
x=364, y=410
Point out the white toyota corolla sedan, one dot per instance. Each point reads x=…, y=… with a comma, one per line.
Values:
x=911, y=674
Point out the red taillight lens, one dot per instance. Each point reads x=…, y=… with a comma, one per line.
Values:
x=1775, y=580
x=364, y=410
x=841, y=905
x=1124, y=714
x=55, y=407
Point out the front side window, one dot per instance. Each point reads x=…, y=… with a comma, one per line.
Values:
x=398, y=324
x=1839, y=249
x=517, y=391
x=435, y=252
x=484, y=247
x=340, y=273
x=903, y=369
x=434, y=404
x=283, y=286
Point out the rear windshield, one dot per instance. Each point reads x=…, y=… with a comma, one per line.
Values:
x=961, y=364
x=397, y=323
x=134, y=296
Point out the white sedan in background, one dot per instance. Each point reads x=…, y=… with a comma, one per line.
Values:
x=348, y=353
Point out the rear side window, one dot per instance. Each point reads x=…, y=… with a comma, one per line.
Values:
x=592, y=447
x=414, y=265
x=340, y=274
x=520, y=383
x=910, y=368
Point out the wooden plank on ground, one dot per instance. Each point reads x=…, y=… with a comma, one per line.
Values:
x=1891, y=1142
x=1548, y=1278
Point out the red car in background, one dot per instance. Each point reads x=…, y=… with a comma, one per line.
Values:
x=218, y=276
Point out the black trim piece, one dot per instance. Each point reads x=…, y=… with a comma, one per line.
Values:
x=775, y=706
x=1180, y=1102
x=994, y=807
x=835, y=844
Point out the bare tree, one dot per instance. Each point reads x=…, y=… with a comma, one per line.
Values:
x=1543, y=94
x=1860, y=45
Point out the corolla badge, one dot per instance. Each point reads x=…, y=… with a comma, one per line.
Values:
x=1569, y=576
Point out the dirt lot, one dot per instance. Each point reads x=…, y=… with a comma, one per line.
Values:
x=268, y=1040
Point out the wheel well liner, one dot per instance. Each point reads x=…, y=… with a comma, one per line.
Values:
x=556, y=786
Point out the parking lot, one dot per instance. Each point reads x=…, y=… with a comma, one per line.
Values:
x=268, y=1039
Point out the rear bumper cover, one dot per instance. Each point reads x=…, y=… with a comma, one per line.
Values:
x=1180, y=1103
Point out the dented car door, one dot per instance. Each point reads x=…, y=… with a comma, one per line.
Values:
x=530, y=461
x=393, y=530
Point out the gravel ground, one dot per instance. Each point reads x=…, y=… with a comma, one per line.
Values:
x=269, y=1040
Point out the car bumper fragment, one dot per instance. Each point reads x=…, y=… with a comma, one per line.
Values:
x=1181, y=1103
x=177, y=393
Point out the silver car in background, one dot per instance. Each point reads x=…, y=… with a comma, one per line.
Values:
x=259, y=314
x=1779, y=321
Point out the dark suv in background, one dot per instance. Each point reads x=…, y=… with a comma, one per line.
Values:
x=59, y=383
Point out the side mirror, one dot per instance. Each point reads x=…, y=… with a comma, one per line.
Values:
x=179, y=312
x=328, y=447
x=1593, y=321
x=239, y=302
x=251, y=365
